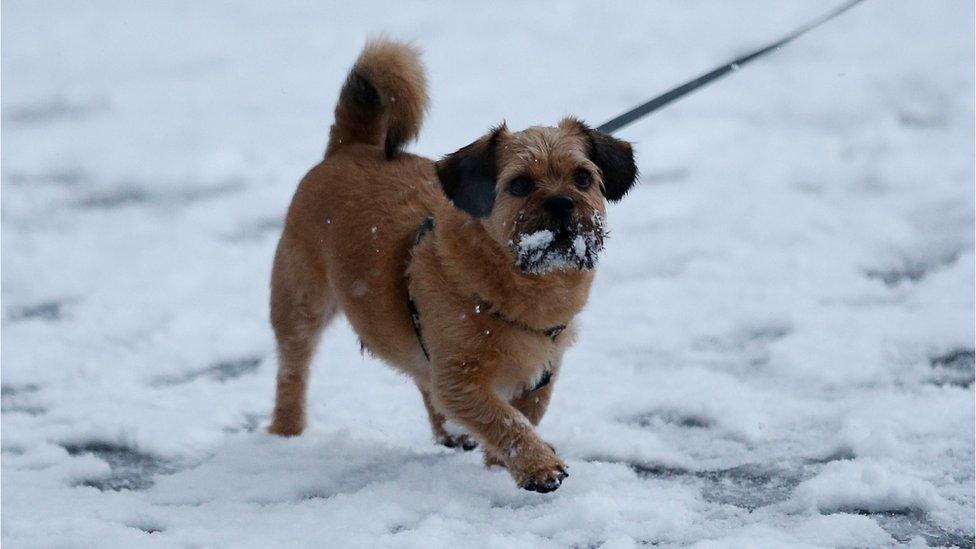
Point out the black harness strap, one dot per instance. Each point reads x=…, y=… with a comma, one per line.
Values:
x=425, y=226
x=544, y=380
x=647, y=108
x=415, y=320
x=551, y=333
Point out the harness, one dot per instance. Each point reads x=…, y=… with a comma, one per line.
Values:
x=551, y=333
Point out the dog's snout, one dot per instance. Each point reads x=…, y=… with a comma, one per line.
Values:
x=560, y=206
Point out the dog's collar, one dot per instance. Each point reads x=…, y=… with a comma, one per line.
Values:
x=551, y=333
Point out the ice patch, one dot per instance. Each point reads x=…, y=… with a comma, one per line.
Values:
x=865, y=486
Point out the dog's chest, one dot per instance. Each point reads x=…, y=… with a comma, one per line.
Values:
x=532, y=363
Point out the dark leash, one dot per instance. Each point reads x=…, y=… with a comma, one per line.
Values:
x=674, y=94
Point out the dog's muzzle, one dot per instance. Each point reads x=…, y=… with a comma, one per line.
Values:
x=567, y=243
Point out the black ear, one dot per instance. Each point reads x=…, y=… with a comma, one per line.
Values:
x=615, y=158
x=468, y=176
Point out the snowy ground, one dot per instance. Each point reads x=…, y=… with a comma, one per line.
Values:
x=778, y=349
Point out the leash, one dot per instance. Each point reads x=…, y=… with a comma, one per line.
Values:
x=674, y=94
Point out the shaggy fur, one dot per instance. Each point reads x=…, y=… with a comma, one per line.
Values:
x=349, y=245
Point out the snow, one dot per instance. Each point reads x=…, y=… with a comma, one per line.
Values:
x=536, y=241
x=866, y=485
x=539, y=252
x=579, y=246
x=533, y=249
x=777, y=351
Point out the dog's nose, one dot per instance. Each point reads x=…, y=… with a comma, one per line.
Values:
x=560, y=206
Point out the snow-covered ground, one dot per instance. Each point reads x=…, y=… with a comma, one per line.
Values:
x=778, y=350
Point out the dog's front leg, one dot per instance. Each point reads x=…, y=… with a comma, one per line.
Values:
x=467, y=398
x=533, y=406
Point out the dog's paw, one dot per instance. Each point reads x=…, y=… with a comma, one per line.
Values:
x=464, y=442
x=540, y=474
x=545, y=481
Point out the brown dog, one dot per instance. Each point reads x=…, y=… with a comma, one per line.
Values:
x=465, y=273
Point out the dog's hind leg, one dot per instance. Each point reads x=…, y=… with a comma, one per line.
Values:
x=441, y=434
x=301, y=306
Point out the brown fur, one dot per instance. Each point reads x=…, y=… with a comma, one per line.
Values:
x=348, y=245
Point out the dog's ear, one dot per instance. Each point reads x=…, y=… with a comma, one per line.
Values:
x=468, y=176
x=614, y=157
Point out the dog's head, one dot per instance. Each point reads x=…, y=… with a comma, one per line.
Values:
x=541, y=192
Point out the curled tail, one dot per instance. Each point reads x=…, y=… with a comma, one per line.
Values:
x=383, y=100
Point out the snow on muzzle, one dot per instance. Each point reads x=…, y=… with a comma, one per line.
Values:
x=557, y=249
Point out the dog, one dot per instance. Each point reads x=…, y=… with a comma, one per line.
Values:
x=465, y=273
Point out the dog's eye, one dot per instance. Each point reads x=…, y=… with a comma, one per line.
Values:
x=521, y=186
x=582, y=179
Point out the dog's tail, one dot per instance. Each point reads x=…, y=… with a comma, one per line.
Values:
x=383, y=100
